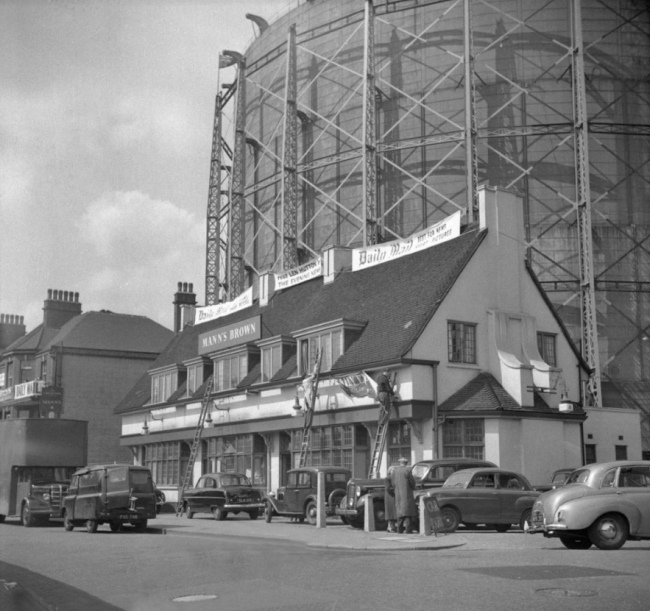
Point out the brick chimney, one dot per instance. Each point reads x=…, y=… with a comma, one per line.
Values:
x=12, y=327
x=184, y=304
x=60, y=307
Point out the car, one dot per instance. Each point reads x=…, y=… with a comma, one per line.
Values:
x=299, y=498
x=601, y=504
x=114, y=494
x=221, y=494
x=427, y=474
x=160, y=497
x=558, y=479
x=495, y=497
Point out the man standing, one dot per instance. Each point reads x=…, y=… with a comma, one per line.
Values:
x=404, y=484
x=385, y=391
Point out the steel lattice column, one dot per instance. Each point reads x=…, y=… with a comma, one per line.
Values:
x=236, y=271
x=471, y=130
x=290, y=159
x=369, y=130
x=583, y=210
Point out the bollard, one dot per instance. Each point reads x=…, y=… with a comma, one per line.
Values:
x=321, y=515
x=368, y=515
x=425, y=521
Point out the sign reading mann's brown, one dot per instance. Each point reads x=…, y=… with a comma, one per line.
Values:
x=238, y=333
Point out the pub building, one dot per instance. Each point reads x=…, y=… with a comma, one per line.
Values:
x=482, y=365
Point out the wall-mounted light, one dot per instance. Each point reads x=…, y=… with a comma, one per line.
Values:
x=297, y=408
x=566, y=405
x=145, y=424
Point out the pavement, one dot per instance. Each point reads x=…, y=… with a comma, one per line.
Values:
x=334, y=535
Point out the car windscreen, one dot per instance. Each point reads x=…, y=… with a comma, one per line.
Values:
x=578, y=477
x=235, y=480
x=419, y=471
x=457, y=480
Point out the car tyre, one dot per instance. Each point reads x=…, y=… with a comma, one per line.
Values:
x=450, y=518
x=501, y=528
x=219, y=514
x=91, y=526
x=609, y=532
x=268, y=512
x=524, y=522
x=26, y=517
x=311, y=512
x=116, y=526
x=253, y=515
x=140, y=526
x=576, y=542
x=189, y=514
x=67, y=522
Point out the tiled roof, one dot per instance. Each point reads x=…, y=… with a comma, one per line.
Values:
x=396, y=300
x=34, y=341
x=107, y=331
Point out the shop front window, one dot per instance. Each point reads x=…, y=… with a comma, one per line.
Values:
x=399, y=442
x=464, y=438
x=239, y=454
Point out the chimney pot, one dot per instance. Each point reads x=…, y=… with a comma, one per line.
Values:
x=191, y=288
x=49, y=293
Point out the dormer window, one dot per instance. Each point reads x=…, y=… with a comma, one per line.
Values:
x=232, y=366
x=331, y=338
x=163, y=386
x=196, y=374
x=275, y=351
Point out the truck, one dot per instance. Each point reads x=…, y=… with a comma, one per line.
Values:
x=37, y=459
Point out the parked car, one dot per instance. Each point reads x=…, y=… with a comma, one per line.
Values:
x=490, y=496
x=113, y=494
x=298, y=499
x=602, y=504
x=427, y=473
x=221, y=494
x=558, y=479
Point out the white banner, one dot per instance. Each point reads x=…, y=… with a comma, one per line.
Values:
x=298, y=275
x=447, y=229
x=213, y=312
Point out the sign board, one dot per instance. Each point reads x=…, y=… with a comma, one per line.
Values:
x=208, y=313
x=310, y=270
x=432, y=515
x=51, y=402
x=238, y=333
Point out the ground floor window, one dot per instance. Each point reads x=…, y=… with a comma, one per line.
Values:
x=164, y=460
x=399, y=442
x=330, y=446
x=464, y=438
x=239, y=454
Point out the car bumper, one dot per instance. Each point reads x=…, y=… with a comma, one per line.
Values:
x=347, y=513
x=546, y=529
x=244, y=507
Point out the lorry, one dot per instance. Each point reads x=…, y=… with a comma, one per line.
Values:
x=37, y=459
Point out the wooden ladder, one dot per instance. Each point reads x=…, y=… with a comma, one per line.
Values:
x=310, y=400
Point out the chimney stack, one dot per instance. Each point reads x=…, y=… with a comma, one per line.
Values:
x=184, y=304
x=12, y=327
x=60, y=307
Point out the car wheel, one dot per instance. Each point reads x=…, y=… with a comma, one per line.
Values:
x=345, y=520
x=91, y=526
x=524, y=522
x=311, y=512
x=450, y=519
x=219, y=514
x=253, y=515
x=26, y=517
x=116, y=526
x=189, y=514
x=609, y=532
x=67, y=522
x=576, y=542
x=140, y=526
x=501, y=528
x=380, y=515
x=268, y=513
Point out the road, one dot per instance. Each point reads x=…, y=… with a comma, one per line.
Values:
x=243, y=565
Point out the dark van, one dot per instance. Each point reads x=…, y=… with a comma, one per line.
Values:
x=115, y=494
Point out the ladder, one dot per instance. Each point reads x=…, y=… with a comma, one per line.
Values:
x=380, y=439
x=187, y=479
x=310, y=399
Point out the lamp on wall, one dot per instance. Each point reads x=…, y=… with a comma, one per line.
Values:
x=145, y=424
x=566, y=405
x=297, y=408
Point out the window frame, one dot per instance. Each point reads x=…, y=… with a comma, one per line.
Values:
x=462, y=350
x=466, y=444
x=547, y=347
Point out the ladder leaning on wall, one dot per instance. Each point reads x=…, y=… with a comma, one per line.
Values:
x=311, y=390
x=187, y=479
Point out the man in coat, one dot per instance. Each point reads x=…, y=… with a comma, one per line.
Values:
x=385, y=390
x=404, y=484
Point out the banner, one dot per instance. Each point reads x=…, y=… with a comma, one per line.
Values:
x=213, y=312
x=358, y=385
x=447, y=229
x=297, y=275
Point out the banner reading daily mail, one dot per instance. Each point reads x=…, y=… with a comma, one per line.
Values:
x=209, y=313
x=447, y=229
x=298, y=274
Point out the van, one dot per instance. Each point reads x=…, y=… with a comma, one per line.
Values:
x=115, y=494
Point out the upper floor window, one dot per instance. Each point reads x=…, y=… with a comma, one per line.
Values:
x=461, y=342
x=163, y=385
x=546, y=347
x=229, y=371
x=194, y=378
x=271, y=361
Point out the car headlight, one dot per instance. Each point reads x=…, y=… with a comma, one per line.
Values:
x=357, y=491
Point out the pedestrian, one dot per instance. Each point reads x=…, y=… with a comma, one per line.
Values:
x=389, y=502
x=404, y=484
x=385, y=390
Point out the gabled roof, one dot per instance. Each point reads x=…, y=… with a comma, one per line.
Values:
x=107, y=331
x=34, y=341
x=396, y=300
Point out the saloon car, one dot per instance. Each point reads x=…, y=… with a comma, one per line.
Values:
x=299, y=498
x=601, y=504
x=221, y=494
x=558, y=479
x=495, y=497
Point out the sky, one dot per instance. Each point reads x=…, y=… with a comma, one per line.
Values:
x=106, y=115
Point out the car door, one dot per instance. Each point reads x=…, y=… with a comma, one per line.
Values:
x=301, y=491
x=479, y=502
x=634, y=487
x=207, y=488
x=511, y=489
